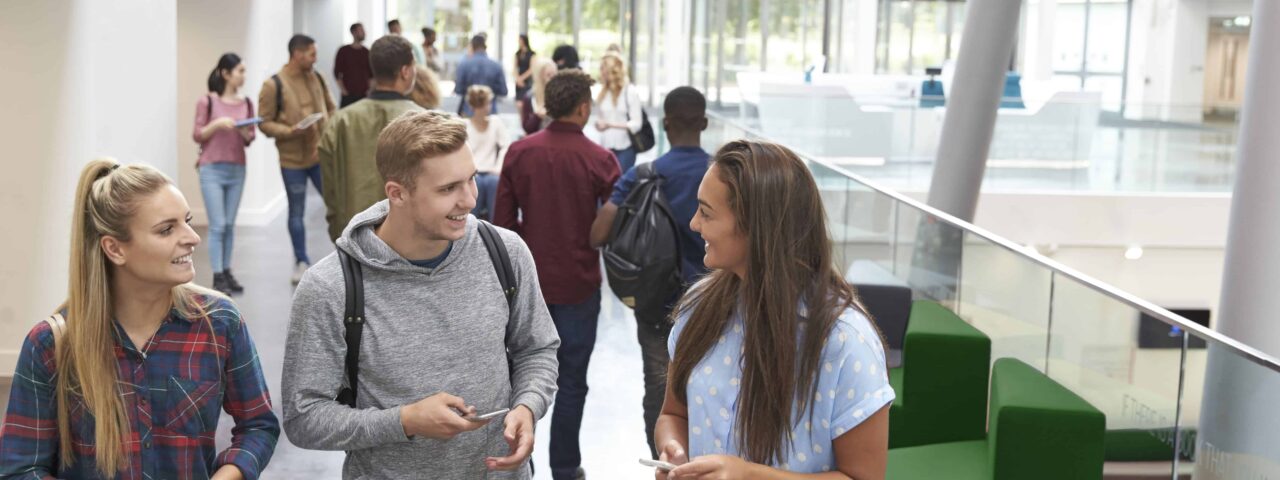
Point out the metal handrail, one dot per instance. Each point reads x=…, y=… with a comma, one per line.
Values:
x=1256, y=356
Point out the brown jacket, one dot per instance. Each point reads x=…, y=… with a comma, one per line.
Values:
x=304, y=94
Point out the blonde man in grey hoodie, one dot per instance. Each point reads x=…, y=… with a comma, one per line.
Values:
x=440, y=342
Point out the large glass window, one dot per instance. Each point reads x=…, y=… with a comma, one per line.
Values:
x=917, y=34
x=550, y=24
x=1089, y=48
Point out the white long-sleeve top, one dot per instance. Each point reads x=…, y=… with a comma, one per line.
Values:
x=488, y=147
x=622, y=109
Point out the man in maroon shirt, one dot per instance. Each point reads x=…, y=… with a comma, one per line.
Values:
x=352, y=68
x=551, y=186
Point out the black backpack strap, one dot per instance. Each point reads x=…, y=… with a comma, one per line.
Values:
x=324, y=86
x=279, y=95
x=208, y=110
x=645, y=171
x=501, y=261
x=353, y=324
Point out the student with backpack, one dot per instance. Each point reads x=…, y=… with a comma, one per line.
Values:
x=286, y=99
x=423, y=319
x=222, y=162
x=674, y=201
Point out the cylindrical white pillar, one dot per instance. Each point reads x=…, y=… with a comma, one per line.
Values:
x=1238, y=421
x=990, y=31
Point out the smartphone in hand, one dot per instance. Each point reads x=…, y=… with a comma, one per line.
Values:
x=658, y=464
x=490, y=415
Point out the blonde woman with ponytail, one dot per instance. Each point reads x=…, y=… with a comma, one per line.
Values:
x=130, y=384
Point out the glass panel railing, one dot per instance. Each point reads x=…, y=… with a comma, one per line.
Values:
x=835, y=190
x=927, y=254
x=1125, y=364
x=1229, y=422
x=1006, y=296
x=1171, y=404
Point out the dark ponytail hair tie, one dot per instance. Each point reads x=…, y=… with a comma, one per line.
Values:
x=103, y=174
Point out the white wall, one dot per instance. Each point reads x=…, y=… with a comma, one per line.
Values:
x=253, y=30
x=324, y=20
x=1167, y=52
x=89, y=78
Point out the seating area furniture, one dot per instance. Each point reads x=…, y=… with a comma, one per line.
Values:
x=1036, y=429
x=888, y=300
x=942, y=384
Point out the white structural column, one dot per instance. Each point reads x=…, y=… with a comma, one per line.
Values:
x=1238, y=421
x=1252, y=270
x=91, y=79
x=990, y=31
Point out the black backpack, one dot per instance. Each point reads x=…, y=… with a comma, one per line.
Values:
x=353, y=319
x=643, y=140
x=642, y=258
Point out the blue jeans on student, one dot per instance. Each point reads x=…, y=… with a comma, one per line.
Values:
x=221, y=185
x=486, y=195
x=295, y=189
x=576, y=325
x=626, y=158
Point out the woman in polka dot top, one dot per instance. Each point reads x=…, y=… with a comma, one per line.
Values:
x=776, y=372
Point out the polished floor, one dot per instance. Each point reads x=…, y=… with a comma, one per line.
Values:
x=613, y=428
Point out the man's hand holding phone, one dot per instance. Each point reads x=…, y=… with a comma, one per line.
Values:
x=438, y=417
x=519, y=436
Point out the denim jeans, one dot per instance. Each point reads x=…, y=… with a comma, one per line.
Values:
x=576, y=325
x=487, y=194
x=295, y=189
x=221, y=185
x=626, y=158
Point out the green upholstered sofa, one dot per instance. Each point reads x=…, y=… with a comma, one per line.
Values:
x=941, y=387
x=1037, y=430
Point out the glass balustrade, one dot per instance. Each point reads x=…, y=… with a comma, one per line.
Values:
x=1180, y=400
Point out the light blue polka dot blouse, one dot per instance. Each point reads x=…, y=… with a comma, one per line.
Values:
x=852, y=385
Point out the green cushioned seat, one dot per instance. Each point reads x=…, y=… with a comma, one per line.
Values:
x=1038, y=429
x=1136, y=445
x=941, y=386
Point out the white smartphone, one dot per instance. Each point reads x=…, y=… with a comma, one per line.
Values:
x=490, y=415
x=658, y=464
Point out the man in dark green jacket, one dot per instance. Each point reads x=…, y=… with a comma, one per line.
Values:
x=348, y=169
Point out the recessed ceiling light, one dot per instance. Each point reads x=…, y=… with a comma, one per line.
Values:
x=1134, y=252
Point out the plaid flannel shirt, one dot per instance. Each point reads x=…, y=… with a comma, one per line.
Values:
x=172, y=391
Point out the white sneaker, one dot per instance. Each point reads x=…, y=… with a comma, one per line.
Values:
x=299, y=269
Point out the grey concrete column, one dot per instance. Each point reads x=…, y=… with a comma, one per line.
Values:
x=990, y=31
x=1238, y=417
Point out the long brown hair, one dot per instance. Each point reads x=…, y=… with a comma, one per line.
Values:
x=107, y=196
x=777, y=207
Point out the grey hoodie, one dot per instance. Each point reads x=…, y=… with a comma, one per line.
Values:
x=427, y=331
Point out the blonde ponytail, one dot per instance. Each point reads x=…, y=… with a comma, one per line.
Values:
x=107, y=196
